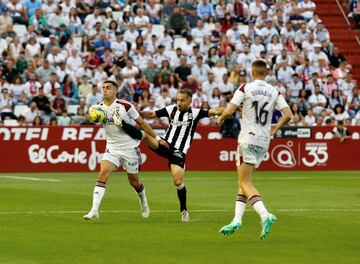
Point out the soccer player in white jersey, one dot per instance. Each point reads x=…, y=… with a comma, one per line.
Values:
x=259, y=100
x=121, y=149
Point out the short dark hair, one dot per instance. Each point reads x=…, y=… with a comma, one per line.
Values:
x=112, y=83
x=259, y=67
x=188, y=92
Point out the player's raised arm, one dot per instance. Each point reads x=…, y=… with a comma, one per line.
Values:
x=148, y=115
x=216, y=111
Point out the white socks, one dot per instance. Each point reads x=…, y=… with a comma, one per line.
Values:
x=142, y=196
x=99, y=193
x=259, y=206
x=240, y=206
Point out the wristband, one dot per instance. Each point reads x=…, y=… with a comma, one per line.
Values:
x=158, y=138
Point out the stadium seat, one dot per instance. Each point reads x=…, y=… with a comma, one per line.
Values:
x=11, y=122
x=158, y=30
x=178, y=42
x=20, y=109
x=117, y=15
x=20, y=30
x=72, y=109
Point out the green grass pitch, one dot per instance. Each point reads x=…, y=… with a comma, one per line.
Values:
x=41, y=221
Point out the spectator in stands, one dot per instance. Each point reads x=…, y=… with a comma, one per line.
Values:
x=92, y=98
x=310, y=118
x=336, y=58
x=129, y=72
x=32, y=86
x=37, y=121
x=336, y=99
x=5, y=19
x=73, y=22
x=17, y=12
x=340, y=131
x=329, y=86
x=43, y=104
x=85, y=87
x=225, y=86
x=6, y=105
x=52, y=85
x=44, y=71
x=307, y=9
x=355, y=12
x=163, y=100
x=354, y=102
x=31, y=113
x=64, y=119
x=317, y=100
x=59, y=103
x=10, y=71
x=191, y=84
x=200, y=70
x=32, y=48
x=40, y=23
x=69, y=89
x=294, y=88
x=205, y=9
x=339, y=113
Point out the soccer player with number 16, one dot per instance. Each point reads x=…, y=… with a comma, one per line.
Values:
x=259, y=100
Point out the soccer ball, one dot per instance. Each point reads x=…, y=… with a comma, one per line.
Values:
x=97, y=114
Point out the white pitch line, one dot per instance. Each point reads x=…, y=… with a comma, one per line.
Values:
x=28, y=178
x=176, y=211
x=263, y=178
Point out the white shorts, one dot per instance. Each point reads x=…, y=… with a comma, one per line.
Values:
x=250, y=154
x=129, y=159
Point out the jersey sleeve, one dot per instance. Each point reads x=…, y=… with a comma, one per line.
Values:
x=133, y=113
x=238, y=97
x=281, y=102
x=164, y=112
x=203, y=113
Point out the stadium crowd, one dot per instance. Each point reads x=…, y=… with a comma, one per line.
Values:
x=54, y=56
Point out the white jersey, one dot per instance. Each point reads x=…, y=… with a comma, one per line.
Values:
x=116, y=137
x=259, y=100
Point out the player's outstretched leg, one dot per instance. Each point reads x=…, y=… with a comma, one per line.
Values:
x=235, y=225
x=132, y=131
x=177, y=173
x=140, y=190
x=106, y=168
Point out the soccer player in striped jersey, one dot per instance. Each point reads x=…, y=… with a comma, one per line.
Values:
x=121, y=149
x=259, y=100
x=183, y=120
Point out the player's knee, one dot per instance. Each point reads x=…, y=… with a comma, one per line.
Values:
x=177, y=181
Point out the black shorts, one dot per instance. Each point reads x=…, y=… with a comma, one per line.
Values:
x=174, y=156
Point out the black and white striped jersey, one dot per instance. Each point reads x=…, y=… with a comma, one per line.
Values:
x=182, y=125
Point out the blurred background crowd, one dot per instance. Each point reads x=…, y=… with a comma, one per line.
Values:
x=54, y=56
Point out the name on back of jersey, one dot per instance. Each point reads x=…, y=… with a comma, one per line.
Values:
x=261, y=92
